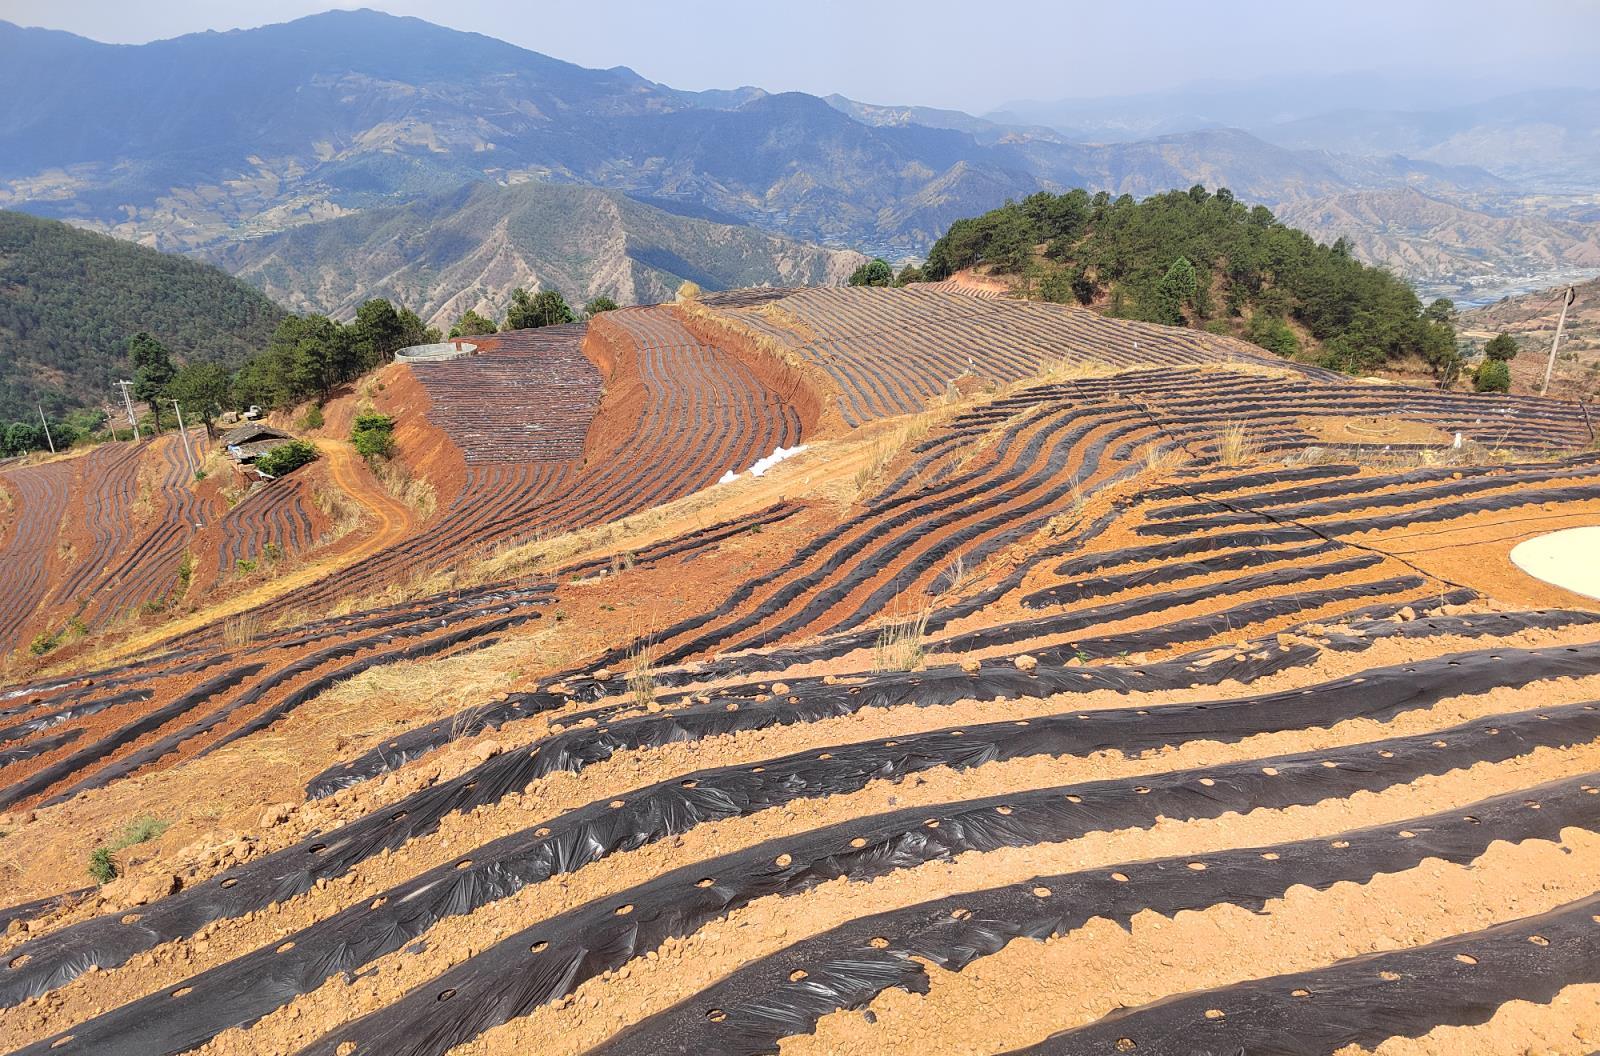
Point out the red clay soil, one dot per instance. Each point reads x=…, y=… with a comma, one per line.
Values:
x=807, y=388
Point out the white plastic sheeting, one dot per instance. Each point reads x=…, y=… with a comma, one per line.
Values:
x=761, y=465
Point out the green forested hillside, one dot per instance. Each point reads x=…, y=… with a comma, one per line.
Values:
x=1192, y=258
x=70, y=299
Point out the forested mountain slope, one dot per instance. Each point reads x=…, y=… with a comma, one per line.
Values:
x=70, y=299
x=1205, y=260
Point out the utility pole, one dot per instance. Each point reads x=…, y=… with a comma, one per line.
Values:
x=127, y=405
x=111, y=421
x=184, y=433
x=1550, y=367
x=47, y=438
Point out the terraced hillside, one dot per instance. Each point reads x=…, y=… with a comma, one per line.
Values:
x=1171, y=700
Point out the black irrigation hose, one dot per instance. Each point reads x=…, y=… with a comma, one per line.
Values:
x=747, y=1012
x=232, y=994
x=1361, y=1002
x=552, y=957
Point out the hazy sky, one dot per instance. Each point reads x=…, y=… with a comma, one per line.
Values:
x=971, y=54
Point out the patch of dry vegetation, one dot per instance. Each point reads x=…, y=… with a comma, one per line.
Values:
x=343, y=513
x=416, y=492
x=1235, y=445
x=241, y=630
x=727, y=325
x=902, y=643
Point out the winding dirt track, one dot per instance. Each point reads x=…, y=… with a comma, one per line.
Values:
x=392, y=525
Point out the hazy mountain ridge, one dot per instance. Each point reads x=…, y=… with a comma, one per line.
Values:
x=213, y=136
x=1448, y=248
x=1544, y=140
x=470, y=247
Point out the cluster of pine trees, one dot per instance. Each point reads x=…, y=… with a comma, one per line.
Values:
x=1193, y=258
x=545, y=308
x=311, y=355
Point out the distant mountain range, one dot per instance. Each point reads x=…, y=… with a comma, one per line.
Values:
x=468, y=248
x=1543, y=140
x=1450, y=250
x=185, y=142
x=207, y=140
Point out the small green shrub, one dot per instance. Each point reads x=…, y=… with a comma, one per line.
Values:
x=373, y=435
x=312, y=419
x=286, y=458
x=44, y=643
x=102, y=866
x=1492, y=375
x=102, y=860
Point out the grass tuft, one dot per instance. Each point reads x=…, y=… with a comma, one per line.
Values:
x=902, y=644
x=1235, y=446
x=242, y=629
x=102, y=860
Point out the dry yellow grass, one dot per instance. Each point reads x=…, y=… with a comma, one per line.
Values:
x=416, y=492
x=1235, y=445
x=731, y=326
x=242, y=629
x=902, y=644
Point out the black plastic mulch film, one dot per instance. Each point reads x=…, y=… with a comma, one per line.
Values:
x=245, y=989
x=90, y=754
x=747, y=1012
x=506, y=612
x=1362, y=1001
x=552, y=957
x=414, y=744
